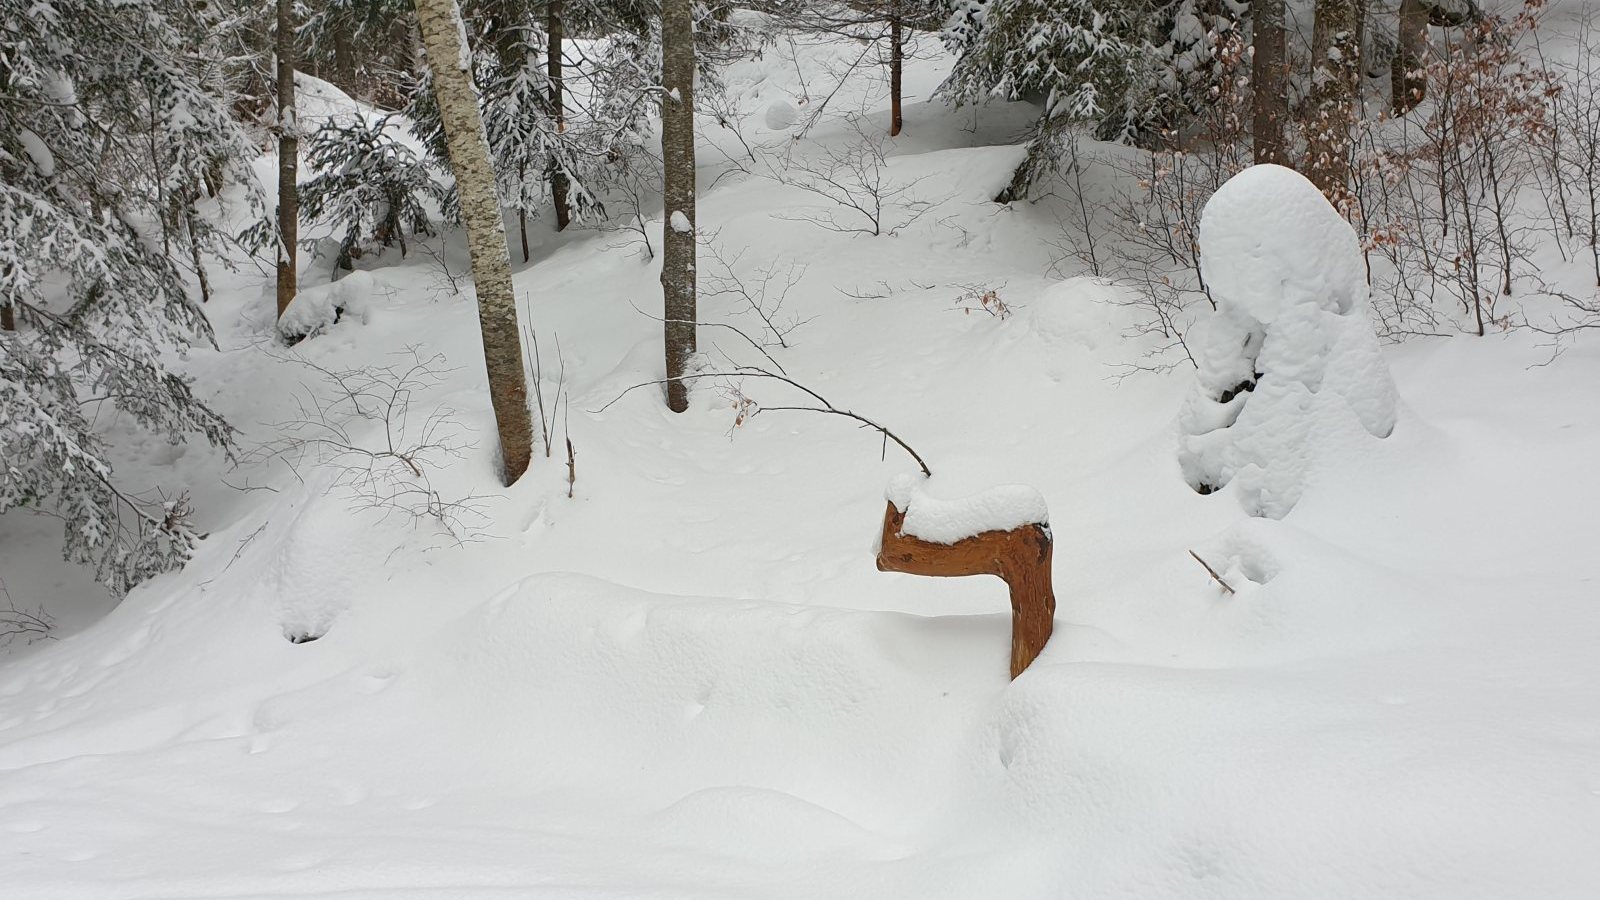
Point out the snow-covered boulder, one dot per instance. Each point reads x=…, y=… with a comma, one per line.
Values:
x=1289, y=364
x=316, y=309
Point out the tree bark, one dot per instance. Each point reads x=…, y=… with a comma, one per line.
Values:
x=8, y=318
x=440, y=24
x=1407, y=85
x=678, y=184
x=1335, y=90
x=1268, y=78
x=558, y=113
x=896, y=65
x=288, y=159
x=192, y=223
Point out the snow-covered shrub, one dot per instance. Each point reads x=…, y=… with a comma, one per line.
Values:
x=316, y=309
x=1289, y=359
x=368, y=184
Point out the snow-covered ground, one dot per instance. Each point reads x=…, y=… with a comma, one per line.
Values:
x=689, y=680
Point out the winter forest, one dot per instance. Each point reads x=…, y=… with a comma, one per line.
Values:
x=797, y=449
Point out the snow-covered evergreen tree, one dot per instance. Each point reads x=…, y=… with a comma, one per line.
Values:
x=104, y=131
x=368, y=184
x=1134, y=72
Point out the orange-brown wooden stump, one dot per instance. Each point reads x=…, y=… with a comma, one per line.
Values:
x=1020, y=557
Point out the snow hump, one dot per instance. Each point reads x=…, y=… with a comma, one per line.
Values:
x=1289, y=364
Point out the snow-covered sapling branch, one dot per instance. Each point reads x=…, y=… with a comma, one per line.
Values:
x=763, y=295
x=359, y=423
x=855, y=180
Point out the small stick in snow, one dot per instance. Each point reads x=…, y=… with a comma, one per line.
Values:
x=572, y=469
x=1213, y=572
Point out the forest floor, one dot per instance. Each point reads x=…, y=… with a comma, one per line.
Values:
x=688, y=680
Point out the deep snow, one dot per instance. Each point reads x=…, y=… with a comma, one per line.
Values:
x=1402, y=698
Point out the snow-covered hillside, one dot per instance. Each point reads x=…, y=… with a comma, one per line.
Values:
x=688, y=679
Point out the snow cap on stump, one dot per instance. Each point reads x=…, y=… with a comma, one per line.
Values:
x=941, y=515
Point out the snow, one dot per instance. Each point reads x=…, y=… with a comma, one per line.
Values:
x=680, y=222
x=1289, y=369
x=42, y=159
x=688, y=680
x=781, y=115
x=316, y=309
x=946, y=520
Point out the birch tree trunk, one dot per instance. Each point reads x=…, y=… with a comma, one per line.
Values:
x=1335, y=89
x=1268, y=78
x=288, y=158
x=677, y=188
x=443, y=39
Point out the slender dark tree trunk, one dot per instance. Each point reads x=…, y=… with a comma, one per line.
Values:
x=1269, y=78
x=288, y=158
x=677, y=156
x=440, y=24
x=1407, y=85
x=192, y=225
x=558, y=112
x=896, y=65
x=1335, y=90
x=8, y=318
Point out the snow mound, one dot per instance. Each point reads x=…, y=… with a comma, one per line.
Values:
x=314, y=310
x=781, y=115
x=946, y=520
x=1289, y=366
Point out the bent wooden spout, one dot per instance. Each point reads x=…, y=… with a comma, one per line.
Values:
x=1020, y=557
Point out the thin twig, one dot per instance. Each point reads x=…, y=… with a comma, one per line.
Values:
x=1213, y=572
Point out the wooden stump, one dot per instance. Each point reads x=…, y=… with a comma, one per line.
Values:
x=1020, y=557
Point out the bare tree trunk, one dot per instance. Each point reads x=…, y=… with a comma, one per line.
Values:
x=558, y=112
x=1268, y=78
x=677, y=157
x=192, y=221
x=440, y=24
x=288, y=158
x=1335, y=90
x=1407, y=85
x=896, y=65
x=8, y=318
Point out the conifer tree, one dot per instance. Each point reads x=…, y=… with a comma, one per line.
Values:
x=103, y=126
